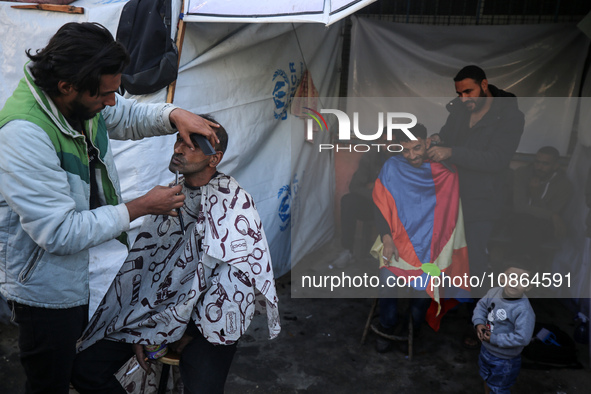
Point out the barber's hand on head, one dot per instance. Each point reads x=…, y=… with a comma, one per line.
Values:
x=439, y=153
x=389, y=249
x=158, y=201
x=141, y=356
x=187, y=122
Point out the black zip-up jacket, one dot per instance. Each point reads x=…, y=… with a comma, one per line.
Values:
x=483, y=153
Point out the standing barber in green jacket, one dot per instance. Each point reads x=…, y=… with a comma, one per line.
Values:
x=59, y=189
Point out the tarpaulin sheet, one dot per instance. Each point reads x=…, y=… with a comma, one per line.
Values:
x=267, y=11
x=31, y=29
x=538, y=61
x=245, y=75
x=574, y=254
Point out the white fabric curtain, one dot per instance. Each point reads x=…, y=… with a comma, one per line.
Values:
x=537, y=62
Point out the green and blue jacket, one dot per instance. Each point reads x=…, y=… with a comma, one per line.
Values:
x=46, y=226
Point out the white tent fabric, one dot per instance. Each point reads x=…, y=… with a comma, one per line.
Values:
x=245, y=76
x=401, y=66
x=574, y=256
x=235, y=73
x=540, y=62
x=575, y=253
x=238, y=74
x=30, y=29
x=270, y=11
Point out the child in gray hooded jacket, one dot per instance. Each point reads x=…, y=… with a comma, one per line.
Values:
x=504, y=322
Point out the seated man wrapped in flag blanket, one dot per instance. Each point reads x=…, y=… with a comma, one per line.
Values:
x=189, y=282
x=422, y=241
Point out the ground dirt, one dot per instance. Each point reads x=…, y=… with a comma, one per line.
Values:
x=319, y=350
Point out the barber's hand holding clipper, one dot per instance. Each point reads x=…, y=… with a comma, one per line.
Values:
x=439, y=154
x=178, y=210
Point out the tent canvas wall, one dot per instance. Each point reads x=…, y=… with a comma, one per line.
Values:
x=543, y=64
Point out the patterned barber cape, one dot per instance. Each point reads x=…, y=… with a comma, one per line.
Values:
x=210, y=274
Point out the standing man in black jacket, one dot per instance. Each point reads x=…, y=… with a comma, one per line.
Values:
x=481, y=135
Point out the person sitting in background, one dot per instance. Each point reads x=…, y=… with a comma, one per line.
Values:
x=541, y=191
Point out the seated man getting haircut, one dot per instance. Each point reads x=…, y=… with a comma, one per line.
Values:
x=419, y=218
x=188, y=281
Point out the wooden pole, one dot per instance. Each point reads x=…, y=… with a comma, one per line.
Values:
x=51, y=7
x=179, y=44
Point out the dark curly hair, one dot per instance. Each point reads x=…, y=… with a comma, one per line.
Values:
x=419, y=131
x=79, y=53
x=472, y=71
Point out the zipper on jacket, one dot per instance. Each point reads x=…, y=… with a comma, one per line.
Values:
x=102, y=187
x=31, y=265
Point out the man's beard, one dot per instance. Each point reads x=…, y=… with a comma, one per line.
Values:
x=185, y=168
x=478, y=102
x=543, y=175
x=81, y=112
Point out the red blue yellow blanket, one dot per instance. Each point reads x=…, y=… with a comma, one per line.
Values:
x=422, y=208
